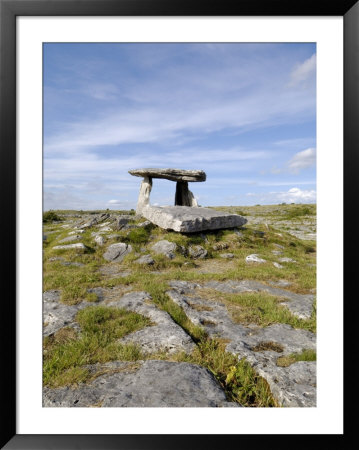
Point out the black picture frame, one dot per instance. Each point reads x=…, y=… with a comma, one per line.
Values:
x=9, y=10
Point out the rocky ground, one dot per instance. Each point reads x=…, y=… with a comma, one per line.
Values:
x=135, y=315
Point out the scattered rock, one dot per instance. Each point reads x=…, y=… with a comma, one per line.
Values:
x=277, y=252
x=220, y=246
x=197, y=252
x=122, y=221
x=78, y=246
x=149, y=383
x=100, y=240
x=165, y=247
x=145, y=259
x=70, y=238
x=72, y=263
x=280, y=283
x=116, y=252
x=254, y=259
x=285, y=259
x=227, y=255
x=279, y=246
x=277, y=265
x=76, y=232
x=144, y=224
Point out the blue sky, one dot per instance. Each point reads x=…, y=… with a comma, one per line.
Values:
x=243, y=113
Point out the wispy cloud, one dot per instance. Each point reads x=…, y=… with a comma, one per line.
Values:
x=302, y=72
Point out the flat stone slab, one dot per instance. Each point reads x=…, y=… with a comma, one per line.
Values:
x=79, y=246
x=116, y=252
x=170, y=174
x=152, y=384
x=187, y=219
x=294, y=385
x=165, y=334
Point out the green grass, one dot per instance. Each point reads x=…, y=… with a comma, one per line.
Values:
x=305, y=355
x=66, y=352
x=258, y=308
x=238, y=379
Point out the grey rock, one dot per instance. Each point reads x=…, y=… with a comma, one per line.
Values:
x=56, y=315
x=280, y=283
x=116, y=252
x=72, y=263
x=76, y=232
x=145, y=259
x=300, y=305
x=285, y=259
x=186, y=219
x=227, y=255
x=291, y=386
x=277, y=252
x=165, y=247
x=197, y=252
x=100, y=240
x=277, y=265
x=153, y=384
x=144, y=224
x=75, y=237
x=170, y=174
x=279, y=246
x=255, y=259
x=165, y=334
x=77, y=246
x=122, y=221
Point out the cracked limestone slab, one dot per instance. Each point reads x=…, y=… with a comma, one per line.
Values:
x=300, y=305
x=191, y=219
x=165, y=334
x=153, y=384
x=291, y=386
x=57, y=315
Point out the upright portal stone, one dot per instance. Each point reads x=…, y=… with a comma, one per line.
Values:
x=144, y=196
x=184, y=196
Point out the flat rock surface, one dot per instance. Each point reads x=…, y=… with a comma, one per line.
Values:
x=170, y=174
x=291, y=386
x=116, y=252
x=165, y=334
x=77, y=246
x=164, y=247
x=187, y=219
x=153, y=384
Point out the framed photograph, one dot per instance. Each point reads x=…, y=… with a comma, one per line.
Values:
x=253, y=97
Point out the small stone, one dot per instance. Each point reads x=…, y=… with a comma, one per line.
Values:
x=78, y=246
x=70, y=238
x=100, y=240
x=69, y=263
x=197, y=252
x=255, y=258
x=277, y=252
x=76, y=232
x=165, y=247
x=285, y=259
x=227, y=255
x=279, y=246
x=277, y=265
x=144, y=224
x=116, y=252
x=220, y=246
x=145, y=259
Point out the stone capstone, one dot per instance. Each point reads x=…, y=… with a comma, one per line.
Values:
x=149, y=383
x=116, y=252
x=186, y=219
x=170, y=174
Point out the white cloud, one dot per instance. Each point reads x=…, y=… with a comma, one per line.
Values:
x=293, y=195
x=114, y=202
x=296, y=195
x=302, y=160
x=302, y=72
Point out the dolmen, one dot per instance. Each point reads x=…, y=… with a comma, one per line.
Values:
x=185, y=216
